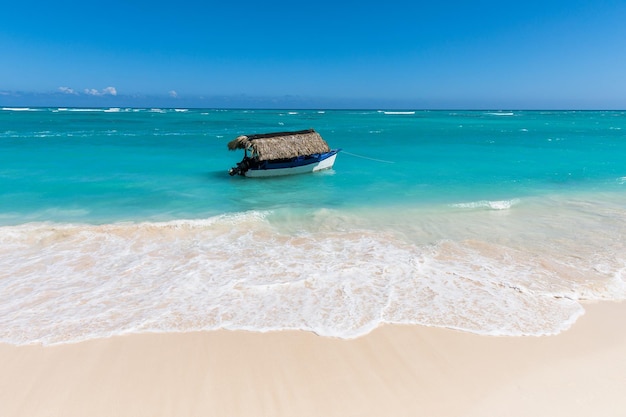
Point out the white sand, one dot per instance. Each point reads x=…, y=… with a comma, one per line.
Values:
x=395, y=371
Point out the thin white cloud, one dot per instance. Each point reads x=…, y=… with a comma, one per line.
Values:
x=104, y=92
x=67, y=90
x=110, y=90
x=173, y=94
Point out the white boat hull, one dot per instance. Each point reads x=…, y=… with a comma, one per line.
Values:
x=302, y=169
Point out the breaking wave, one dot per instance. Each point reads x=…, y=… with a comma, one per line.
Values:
x=490, y=205
x=63, y=283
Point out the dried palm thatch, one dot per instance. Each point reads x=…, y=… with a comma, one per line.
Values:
x=281, y=145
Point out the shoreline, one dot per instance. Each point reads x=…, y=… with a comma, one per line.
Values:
x=396, y=370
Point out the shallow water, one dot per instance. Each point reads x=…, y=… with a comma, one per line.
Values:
x=126, y=220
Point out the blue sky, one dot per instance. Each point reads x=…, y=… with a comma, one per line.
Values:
x=330, y=54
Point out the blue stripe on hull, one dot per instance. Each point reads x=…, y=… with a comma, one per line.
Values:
x=300, y=165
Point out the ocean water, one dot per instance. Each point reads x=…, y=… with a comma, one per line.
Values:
x=118, y=221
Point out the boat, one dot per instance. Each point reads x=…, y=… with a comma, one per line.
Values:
x=282, y=153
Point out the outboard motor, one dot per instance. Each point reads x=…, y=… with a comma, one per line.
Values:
x=241, y=167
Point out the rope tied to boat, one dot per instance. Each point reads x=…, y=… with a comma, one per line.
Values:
x=367, y=157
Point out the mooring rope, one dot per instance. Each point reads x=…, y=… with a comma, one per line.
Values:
x=366, y=157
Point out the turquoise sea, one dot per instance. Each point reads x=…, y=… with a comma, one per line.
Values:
x=117, y=221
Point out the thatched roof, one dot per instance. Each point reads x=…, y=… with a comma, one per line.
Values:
x=281, y=145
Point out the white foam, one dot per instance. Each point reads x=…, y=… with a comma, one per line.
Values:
x=399, y=112
x=500, y=114
x=333, y=273
x=486, y=204
x=18, y=109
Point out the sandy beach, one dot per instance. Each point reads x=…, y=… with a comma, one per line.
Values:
x=394, y=371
